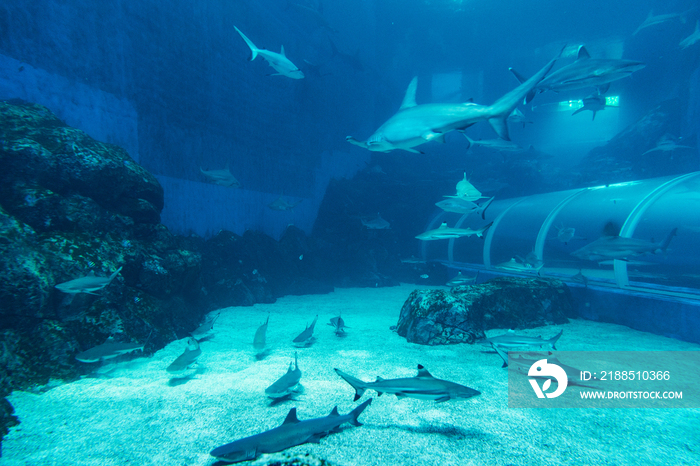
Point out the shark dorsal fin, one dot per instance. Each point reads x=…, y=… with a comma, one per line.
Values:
x=91, y=273
x=583, y=53
x=442, y=225
x=291, y=417
x=334, y=412
x=290, y=368
x=296, y=362
x=282, y=52
x=379, y=379
x=409, y=100
x=423, y=373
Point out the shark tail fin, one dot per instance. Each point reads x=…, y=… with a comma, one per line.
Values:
x=481, y=231
x=355, y=413
x=470, y=142
x=253, y=49
x=114, y=275
x=554, y=339
x=664, y=244
x=483, y=212
x=357, y=384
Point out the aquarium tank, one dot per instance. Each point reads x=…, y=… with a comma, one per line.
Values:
x=349, y=233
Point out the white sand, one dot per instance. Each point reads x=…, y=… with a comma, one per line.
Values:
x=136, y=417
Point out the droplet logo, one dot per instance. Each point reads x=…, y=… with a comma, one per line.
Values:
x=542, y=368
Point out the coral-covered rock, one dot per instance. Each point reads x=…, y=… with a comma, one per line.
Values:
x=438, y=317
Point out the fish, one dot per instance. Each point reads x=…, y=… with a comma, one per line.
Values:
x=108, y=350
x=415, y=124
x=413, y=260
x=514, y=266
x=594, y=102
x=187, y=358
x=278, y=61
x=460, y=280
x=518, y=117
x=494, y=144
x=205, y=330
x=260, y=334
x=87, y=284
x=423, y=387
x=377, y=224
x=221, y=177
x=353, y=61
x=512, y=340
x=652, y=20
x=461, y=206
x=306, y=337
x=339, y=324
x=572, y=374
x=566, y=234
x=291, y=433
x=286, y=385
x=693, y=38
x=666, y=144
x=445, y=232
x=584, y=72
x=465, y=190
x=313, y=15
x=621, y=248
x=281, y=204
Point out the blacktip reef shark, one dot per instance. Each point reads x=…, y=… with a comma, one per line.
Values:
x=260, y=336
x=415, y=124
x=278, y=61
x=458, y=205
x=221, y=177
x=291, y=433
x=521, y=267
x=572, y=374
x=187, y=358
x=205, y=330
x=466, y=191
x=693, y=38
x=461, y=280
x=108, y=350
x=306, y=337
x=666, y=144
x=287, y=384
x=423, y=387
x=376, y=224
x=339, y=324
x=621, y=248
x=513, y=340
x=87, y=284
x=445, y=232
x=584, y=72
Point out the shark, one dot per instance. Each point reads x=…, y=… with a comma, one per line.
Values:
x=353, y=61
x=445, y=232
x=423, y=387
x=260, y=334
x=518, y=117
x=376, y=224
x=87, y=284
x=566, y=234
x=465, y=190
x=572, y=374
x=278, y=61
x=511, y=340
x=461, y=206
x=621, y=248
x=584, y=72
x=514, y=265
x=291, y=433
x=415, y=124
x=281, y=204
x=205, y=330
x=108, y=350
x=594, y=103
x=339, y=324
x=461, y=280
x=306, y=338
x=653, y=20
x=693, y=38
x=221, y=177
x=494, y=144
x=313, y=15
x=666, y=144
x=187, y=358
x=287, y=384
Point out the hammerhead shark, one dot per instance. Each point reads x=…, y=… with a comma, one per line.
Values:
x=423, y=387
x=285, y=385
x=291, y=433
x=87, y=284
x=415, y=124
x=278, y=61
x=306, y=337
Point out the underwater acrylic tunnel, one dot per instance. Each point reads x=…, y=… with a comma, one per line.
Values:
x=634, y=235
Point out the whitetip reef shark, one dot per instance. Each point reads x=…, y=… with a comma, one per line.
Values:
x=286, y=385
x=87, y=284
x=278, y=61
x=291, y=433
x=423, y=387
x=415, y=124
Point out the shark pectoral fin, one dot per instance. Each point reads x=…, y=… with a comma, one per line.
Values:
x=442, y=399
x=400, y=395
x=414, y=151
x=251, y=454
x=604, y=88
x=500, y=126
x=316, y=438
x=352, y=140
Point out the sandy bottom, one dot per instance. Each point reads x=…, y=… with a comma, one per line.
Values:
x=138, y=415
